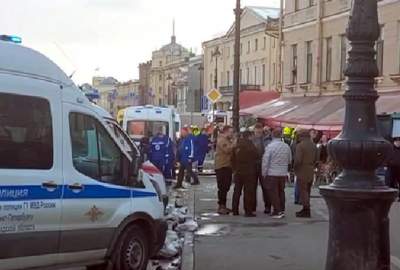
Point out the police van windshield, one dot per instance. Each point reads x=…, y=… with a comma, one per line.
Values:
x=138, y=129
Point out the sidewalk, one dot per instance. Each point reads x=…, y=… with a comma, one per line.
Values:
x=237, y=243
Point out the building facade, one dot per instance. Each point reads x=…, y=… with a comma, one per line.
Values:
x=107, y=90
x=195, y=84
x=128, y=94
x=258, y=55
x=315, y=46
x=166, y=70
x=146, y=93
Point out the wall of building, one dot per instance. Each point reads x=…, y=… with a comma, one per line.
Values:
x=302, y=26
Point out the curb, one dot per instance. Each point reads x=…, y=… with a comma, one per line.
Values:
x=188, y=246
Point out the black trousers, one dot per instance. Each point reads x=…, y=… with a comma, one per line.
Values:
x=224, y=181
x=248, y=183
x=189, y=173
x=260, y=180
x=276, y=189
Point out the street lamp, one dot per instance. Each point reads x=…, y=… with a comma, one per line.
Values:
x=358, y=200
x=236, y=69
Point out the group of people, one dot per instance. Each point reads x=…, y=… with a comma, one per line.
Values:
x=263, y=158
x=189, y=152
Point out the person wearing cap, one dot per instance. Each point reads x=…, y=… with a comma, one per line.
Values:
x=186, y=158
x=244, y=169
x=304, y=164
x=394, y=165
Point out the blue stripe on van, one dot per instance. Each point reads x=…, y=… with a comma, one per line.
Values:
x=33, y=192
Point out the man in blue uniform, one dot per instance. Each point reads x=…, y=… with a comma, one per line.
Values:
x=202, y=143
x=186, y=158
x=161, y=152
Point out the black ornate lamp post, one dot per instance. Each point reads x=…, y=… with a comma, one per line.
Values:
x=358, y=201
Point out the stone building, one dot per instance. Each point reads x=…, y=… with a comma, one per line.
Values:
x=258, y=55
x=107, y=90
x=166, y=68
x=146, y=93
x=315, y=47
x=128, y=94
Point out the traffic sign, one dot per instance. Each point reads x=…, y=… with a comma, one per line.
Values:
x=214, y=95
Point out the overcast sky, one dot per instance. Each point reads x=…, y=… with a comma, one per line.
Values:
x=111, y=37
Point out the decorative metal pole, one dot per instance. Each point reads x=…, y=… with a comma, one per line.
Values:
x=236, y=69
x=358, y=200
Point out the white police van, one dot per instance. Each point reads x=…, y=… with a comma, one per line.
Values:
x=70, y=193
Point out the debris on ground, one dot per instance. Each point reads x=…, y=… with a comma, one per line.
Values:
x=180, y=222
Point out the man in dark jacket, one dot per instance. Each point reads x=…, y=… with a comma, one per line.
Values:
x=394, y=165
x=243, y=164
x=304, y=164
x=186, y=158
x=259, y=142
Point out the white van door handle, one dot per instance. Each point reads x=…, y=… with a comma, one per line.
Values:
x=76, y=187
x=49, y=185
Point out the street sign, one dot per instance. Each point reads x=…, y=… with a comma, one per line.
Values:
x=214, y=95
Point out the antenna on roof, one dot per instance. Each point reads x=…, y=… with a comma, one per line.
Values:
x=72, y=74
x=173, y=37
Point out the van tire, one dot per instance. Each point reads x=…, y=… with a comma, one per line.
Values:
x=133, y=250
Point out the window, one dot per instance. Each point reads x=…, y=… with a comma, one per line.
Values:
x=160, y=77
x=311, y=3
x=241, y=48
x=124, y=140
x=273, y=43
x=296, y=5
x=263, y=74
x=248, y=75
x=294, y=64
x=94, y=153
x=379, y=52
x=26, y=134
x=255, y=75
x=241, y=76
x=160, y=63
x=248, y=46
x=265, y=43
x=328, y=59
x=309, y=61
x=211, y=56
x=160, y=90
x=343, y=55
x=398, y=42
x=138, y=129
x=228, y=78
x=256, y=45
x=273, y=72
x=228, y=52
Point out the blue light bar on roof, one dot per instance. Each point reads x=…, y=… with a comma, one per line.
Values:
x=9, y=38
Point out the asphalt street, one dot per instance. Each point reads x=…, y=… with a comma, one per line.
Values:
x=237, y=243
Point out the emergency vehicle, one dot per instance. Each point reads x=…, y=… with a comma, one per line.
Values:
x=146, y=121
x=71, y=194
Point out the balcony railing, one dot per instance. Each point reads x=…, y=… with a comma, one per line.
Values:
x=243, y=87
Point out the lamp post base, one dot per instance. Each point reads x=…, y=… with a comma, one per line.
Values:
x=359, y=228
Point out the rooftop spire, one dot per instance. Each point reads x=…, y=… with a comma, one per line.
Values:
x=173, y=37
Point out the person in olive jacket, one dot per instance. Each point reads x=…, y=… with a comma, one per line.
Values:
x=304, y=164
x=244, y=159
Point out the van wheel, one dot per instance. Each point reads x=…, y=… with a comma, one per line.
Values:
x=134, y=250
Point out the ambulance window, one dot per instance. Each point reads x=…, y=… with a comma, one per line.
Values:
x=26, y=135
x=94, y=153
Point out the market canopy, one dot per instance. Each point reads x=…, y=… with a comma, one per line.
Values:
x=323, y=113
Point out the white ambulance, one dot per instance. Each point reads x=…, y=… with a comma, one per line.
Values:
x=146, y=121
x=70, y=193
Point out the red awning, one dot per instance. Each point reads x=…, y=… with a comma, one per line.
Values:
x=322, y=113
x=253, y=98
